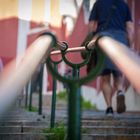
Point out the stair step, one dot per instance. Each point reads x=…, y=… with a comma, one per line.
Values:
x=19, y=129
x=85, y=129
x=110, y=130
x=110, y=137
x=22, y=136
x=42, y=136
x=24, y=123
x=127, y=123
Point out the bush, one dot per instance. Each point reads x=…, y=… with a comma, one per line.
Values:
x=56, y=133
x=84, y=104
x=33, y=109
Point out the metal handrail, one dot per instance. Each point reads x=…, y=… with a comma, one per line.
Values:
x=74, y=83
x=14, y=78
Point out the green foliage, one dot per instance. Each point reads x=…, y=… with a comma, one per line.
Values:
x=62, y=95
x=33, y=109
x=84, y=104
x=56, y=133
x=84, y=130
x=87, y=104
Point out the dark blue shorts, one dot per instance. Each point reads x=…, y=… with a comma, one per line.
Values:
x=116, y=73
x=109, y=67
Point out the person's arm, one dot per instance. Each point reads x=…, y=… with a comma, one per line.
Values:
x=92, y=26
x=130, y=31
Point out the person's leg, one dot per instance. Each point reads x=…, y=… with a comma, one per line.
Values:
x=119, y=86
x=107, y=89
x=118, y=83
x=107, y=92
x=126, y=84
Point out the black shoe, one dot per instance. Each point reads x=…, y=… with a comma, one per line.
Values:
x=109, y=111
x=121, y=103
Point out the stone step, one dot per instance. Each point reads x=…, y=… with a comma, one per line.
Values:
x=127, y=123
x=110, y=137
x=19, y=129
x=110, y=130
x=42, y=136
x=89, y=115
x=24, y=123
x=22, y=136
x=10, y=117
x=85, y=129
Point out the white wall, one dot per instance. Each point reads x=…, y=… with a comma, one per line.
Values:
x=132, y=99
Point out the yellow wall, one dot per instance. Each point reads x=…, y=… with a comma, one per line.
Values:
x=38, y=10
x=8, y=8
x=55, y=13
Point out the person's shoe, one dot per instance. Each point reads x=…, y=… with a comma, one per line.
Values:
x=109, y=112
x=121, y=102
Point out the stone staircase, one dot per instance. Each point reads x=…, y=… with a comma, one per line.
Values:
x=19, y=124
x=117, y=128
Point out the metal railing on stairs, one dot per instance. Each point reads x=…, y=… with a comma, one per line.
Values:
x=74, y=83
x=15, y=78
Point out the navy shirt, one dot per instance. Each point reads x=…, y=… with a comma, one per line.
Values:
x=120, y=16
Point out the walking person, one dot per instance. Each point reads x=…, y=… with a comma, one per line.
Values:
x=112, y=18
